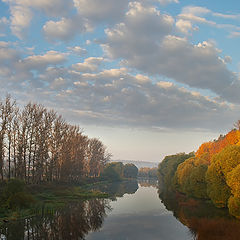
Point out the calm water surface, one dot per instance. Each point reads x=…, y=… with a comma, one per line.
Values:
x=135, y=213
x=140, y=216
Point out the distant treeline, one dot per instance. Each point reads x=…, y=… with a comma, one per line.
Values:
x=38, y=145
x=118, y=170
x=213, y=172
x=146, y=172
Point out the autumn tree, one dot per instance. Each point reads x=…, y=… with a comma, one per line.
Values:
x=190, y=176
x=167, y=168
x=37, y=145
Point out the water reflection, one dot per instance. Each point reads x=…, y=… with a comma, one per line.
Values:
x=73, y=222
x=204, y=220
x=118, y=189
x=136, y=212
x=148, y=182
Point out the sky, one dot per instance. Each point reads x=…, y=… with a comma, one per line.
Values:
x=148, y=77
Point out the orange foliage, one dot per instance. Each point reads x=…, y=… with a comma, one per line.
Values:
x=232, y=138
x=203, y=149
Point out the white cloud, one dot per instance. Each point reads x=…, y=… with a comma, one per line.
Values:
x=195, y=10
x=227, y=59
x=77, y=50
x=65, y=29
x=163, y=84
x=184, y=26
x=146, y=42
x=115, y=97
x=89, y=65
x=164, y=2
x=108, y=97
x=234, y=35
x=196, y=14
x=88, y=42
x=143, y=26
x=195, y=18
x=7, y=55
x=142, y=79
x=20, y=20
x=227, y=16
x=22, y=12
x=53, y=8
x=98, y=11
x=42, y=61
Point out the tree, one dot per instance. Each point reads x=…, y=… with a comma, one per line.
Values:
x=222, y=164
x=167, y=168
x=112, y=171
x=237, y=124
x=130, y=171
x=37, y=145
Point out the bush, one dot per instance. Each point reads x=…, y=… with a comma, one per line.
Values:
x=15, y=196
x=110, y=173
x=20, y=200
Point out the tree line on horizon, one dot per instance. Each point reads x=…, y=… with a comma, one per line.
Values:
x=38, y=145
x=213, y=172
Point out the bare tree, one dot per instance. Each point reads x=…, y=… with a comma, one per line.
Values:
x=237, y=125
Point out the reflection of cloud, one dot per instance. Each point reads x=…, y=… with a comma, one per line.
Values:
x=152, y=225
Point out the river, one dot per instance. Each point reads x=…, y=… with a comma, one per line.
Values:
x=135, y=213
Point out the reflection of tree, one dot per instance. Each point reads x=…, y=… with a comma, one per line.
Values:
x=73, y=222
x=148, y=182
x=118, y=189
x=204, y=220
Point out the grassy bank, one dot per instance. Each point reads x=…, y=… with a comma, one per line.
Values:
x=32, y=200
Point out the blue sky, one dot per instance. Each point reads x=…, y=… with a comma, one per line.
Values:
x=148, y=77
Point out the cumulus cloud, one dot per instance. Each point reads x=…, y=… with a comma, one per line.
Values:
x=156, y=50
x=85, y=93
x=20, y=72
x=65, y=29
x=37, y=62
x=98, y=11
x=115, y=97
x=53, y=8
x=146, y=43
x=20, y=20
x=197, y=14
x=143, y=26
x=184, y=26
x=7, y=54
x=164, y=2
x=22, y=12
x=77, y=50
x=89, y=65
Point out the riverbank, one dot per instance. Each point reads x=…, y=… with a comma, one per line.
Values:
x=37, y=199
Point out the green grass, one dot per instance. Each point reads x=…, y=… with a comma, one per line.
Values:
x=49, y=198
